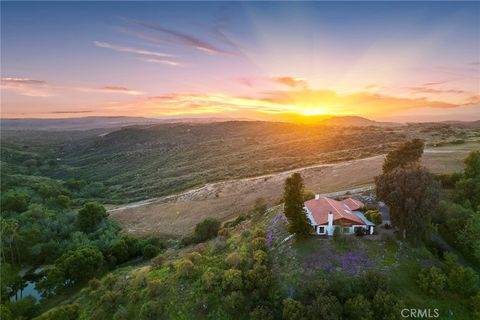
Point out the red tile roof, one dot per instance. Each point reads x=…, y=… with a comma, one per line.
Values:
x=353, y=204
x=342, y=213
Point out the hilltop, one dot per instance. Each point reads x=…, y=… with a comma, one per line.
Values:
x=356, y=121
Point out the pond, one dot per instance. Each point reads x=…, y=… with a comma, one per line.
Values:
x=29, y=290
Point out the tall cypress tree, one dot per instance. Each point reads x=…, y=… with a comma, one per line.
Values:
x=298, y=222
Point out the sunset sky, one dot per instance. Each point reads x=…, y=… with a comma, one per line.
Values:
x=410, y=61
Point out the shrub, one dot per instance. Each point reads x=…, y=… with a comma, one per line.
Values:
x=94, y=284
x=5, y=313
x=80, y=264
x=155, y=288
x=207, y=229
x=386, y=306
x=246, y=234
x=233, y=260
x=260, y=277
x=463, y=280
x=236, y=222
x=338, y=235
x=260, y=257
x=158, y=261
x=374, y=216
x=63, y=201
x=24, y=308
x=64, y=312
x=475, y=306
x=151, y=310
x=224, y=232
x=325, y=307
x=185, y=268
x=358, y=308
x=308, y=195
x=260, y=206
x=259, y=243
x=432, y=281
x=293, y=310
x=448, y=181
x=14, y=201
x=219, y=244
x=232, y=280
x=120, y=251
x=259, y=233
x=235, y=302
x=149, y=251
x=209, y=280
x=262, y=313
x=372, y=281
x=194, y=256
x=90, y=216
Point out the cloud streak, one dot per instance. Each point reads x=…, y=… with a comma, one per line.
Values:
x=41, y=88
x=118, y=48
x=162, y=61
x=276, y=103
x=27, y=87
x=180, y=38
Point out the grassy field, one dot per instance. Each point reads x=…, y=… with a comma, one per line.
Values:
x=176, y=215
x=185, y=172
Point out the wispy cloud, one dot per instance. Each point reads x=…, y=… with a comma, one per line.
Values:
x=162, y=61
x=181, y=38
x=71, y=112
x=41, y=88
x=118, y=48
x=473, y=100
x=27, y=87
x=437, y=83
x=108, y=89
x=436, y=91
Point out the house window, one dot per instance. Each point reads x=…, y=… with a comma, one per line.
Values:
x=346, y=230
x=321, y=230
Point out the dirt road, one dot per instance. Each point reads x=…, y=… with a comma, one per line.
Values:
x=176, y=215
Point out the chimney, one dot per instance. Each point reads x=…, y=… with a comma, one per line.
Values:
x=317, y=197
x=330, y=218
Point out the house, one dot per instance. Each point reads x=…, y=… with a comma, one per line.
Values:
x=326, y=214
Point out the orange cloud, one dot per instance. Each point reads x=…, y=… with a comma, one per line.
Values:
x=291, y=82
x=304, y=102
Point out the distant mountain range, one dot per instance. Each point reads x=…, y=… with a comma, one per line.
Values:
x=89, y=123
x=356, y=121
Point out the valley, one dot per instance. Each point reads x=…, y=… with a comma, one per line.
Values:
x=176, y=215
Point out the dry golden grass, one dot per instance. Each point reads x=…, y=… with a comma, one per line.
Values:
x=177, y=215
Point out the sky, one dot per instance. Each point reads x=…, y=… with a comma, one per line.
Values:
x=392, y=61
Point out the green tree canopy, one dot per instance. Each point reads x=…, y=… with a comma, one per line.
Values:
x=207, y=229
x=407, y=153
x=90, y=216
x=467, y=189
x=412, y=195
x=293, y=196
x=14, y=201
x=80, y=264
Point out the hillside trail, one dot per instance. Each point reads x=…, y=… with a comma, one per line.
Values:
x=211, y=187
x=218, y=185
